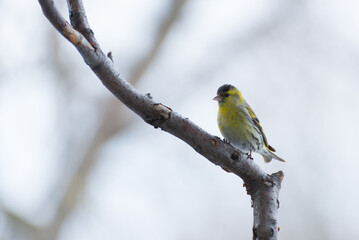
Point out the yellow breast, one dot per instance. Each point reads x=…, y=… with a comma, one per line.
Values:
x=237, y=127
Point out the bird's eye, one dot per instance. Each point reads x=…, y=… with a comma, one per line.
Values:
x=226, y=95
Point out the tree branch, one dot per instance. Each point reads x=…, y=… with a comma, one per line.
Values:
x=263, y=188
x=79, y=21
x=111, y=124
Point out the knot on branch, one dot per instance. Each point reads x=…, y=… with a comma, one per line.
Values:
x=278, y=175
x=268, y=234
x=274, y=178
x=162, y=110
x=162, y=113
x=235, y=156
x=266, y=184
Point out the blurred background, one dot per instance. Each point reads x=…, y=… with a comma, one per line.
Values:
x=76, y=164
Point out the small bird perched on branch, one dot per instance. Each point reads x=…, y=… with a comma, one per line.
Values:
x=239, y=125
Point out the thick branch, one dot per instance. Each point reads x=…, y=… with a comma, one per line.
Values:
x=265, y=207
x=263, y=188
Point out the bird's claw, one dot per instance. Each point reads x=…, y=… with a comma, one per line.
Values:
x=250, y=155
x=225, y=140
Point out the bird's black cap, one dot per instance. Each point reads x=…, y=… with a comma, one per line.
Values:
x=224, y=88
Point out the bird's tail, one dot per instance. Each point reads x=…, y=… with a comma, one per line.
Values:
x=268, y=155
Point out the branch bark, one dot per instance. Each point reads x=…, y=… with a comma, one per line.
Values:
x=263, y=188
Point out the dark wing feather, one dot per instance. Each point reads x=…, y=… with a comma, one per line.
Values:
x=257, y=123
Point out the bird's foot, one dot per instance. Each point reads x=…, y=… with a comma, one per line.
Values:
x=250, y=155
x=225, y=140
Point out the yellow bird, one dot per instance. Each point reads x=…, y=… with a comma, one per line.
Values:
x=239, y=125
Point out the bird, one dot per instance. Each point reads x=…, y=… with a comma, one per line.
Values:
x=240, y=126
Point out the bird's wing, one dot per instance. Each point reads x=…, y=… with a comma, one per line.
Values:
x=257, y=123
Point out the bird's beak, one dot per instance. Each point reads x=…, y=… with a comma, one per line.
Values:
x=218, y=98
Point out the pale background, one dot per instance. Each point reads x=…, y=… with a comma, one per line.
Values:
x=75, y=164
